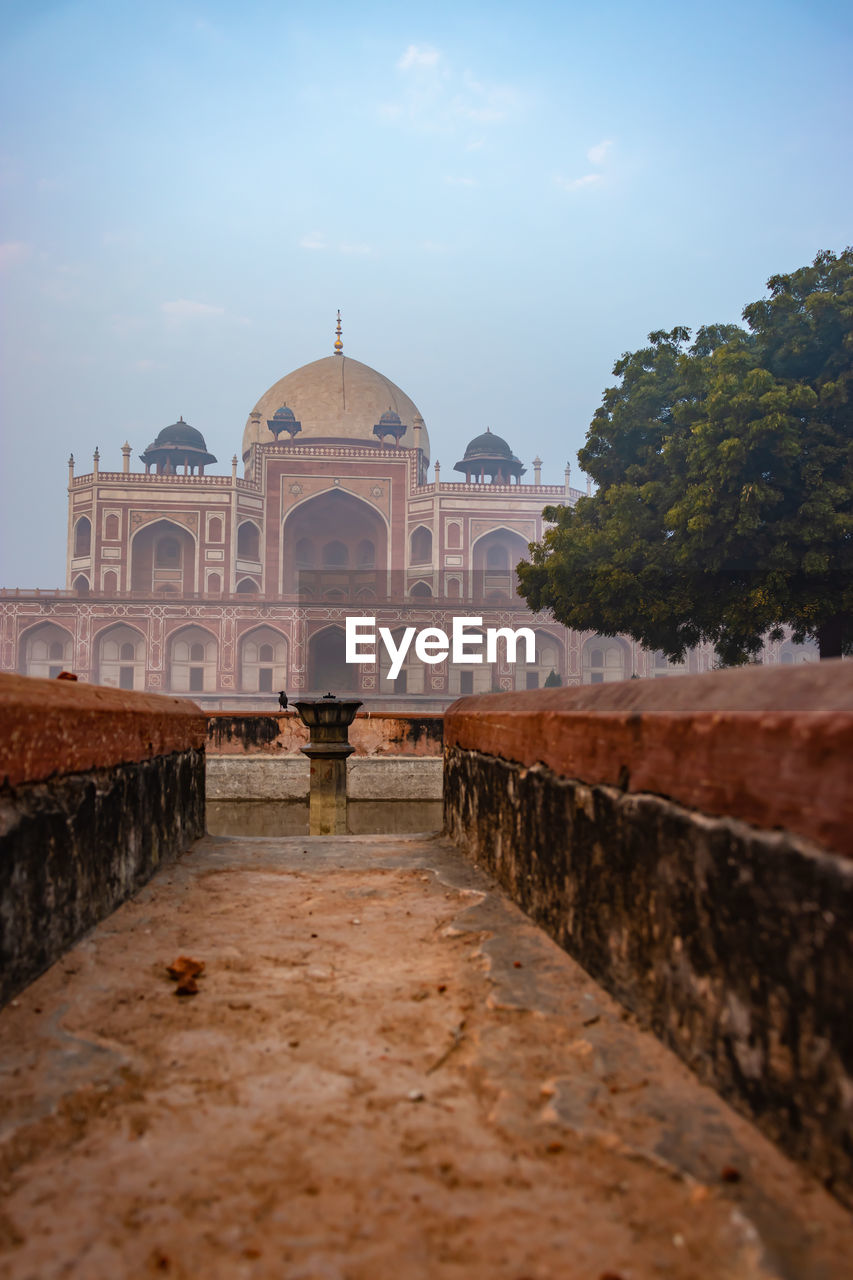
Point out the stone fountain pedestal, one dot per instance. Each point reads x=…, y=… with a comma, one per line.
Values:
x=328, y=720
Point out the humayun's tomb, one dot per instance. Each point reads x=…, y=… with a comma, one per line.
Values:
x=231, y=587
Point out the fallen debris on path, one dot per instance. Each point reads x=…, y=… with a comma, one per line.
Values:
x=440, y=1092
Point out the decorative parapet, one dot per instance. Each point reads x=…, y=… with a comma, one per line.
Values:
x=452, y=489
x=151, y=478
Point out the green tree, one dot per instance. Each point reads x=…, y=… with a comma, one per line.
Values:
x=724, y=468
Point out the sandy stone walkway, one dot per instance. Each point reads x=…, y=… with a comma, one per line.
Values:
x=387, y=1073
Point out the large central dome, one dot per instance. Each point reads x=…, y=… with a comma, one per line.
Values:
x=334, y=399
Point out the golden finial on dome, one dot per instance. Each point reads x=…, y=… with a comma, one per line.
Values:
x=339, y=346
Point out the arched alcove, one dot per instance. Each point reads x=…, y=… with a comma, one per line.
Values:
x=663, y=666
x=327, y=542
x=604, y=659
x=162, y=557
x=494, y=557
x=45, y=650
x=791, y=654
x=248, y=541
x=83, y=537
x=421, y=545
x=550, y=656
x=335, y=554
x=120, y=657
x=365, y=554
x=263, y=661
x=192, y=660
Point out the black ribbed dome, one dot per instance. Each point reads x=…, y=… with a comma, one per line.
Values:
x=490, y=455
x=488, y=446
x=181, y=433
x=284, y=414
x=178, y=445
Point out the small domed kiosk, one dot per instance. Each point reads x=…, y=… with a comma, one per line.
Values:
x=284, y=419
x=177, y=446
x=390, y=425
x=489, y=455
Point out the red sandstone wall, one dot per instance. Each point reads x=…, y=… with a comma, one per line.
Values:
x=381, y=733
x=773, y=747
x=51, y=728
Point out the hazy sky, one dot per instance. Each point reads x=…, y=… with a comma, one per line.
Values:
x=501, y=198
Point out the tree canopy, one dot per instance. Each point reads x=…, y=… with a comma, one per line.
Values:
x=724, y=473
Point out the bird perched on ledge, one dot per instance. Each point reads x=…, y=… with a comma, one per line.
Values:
x=282, y=700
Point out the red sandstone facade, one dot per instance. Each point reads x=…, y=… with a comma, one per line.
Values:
x=231, y=587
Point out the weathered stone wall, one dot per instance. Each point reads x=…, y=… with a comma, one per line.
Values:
x=379, y=778
x=730, y=940
x=98, y=787
x=283, y=733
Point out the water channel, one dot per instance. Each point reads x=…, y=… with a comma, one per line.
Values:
x=290, y=817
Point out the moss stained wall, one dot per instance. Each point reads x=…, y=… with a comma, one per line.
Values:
x=731, y=943
x=75, y=847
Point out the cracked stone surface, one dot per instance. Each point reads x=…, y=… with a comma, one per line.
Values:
x=387, y=1071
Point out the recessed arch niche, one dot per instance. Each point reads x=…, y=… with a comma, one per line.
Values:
x=550, y=656
x=45, y=650
x=192, y=660
x=120, y=657
x=263, y=661
x=334, y=541
x=162, y=558
x=604, y=659
x=494, y=557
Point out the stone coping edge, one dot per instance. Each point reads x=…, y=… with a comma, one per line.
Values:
x=686, y=738
x=59, y=727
